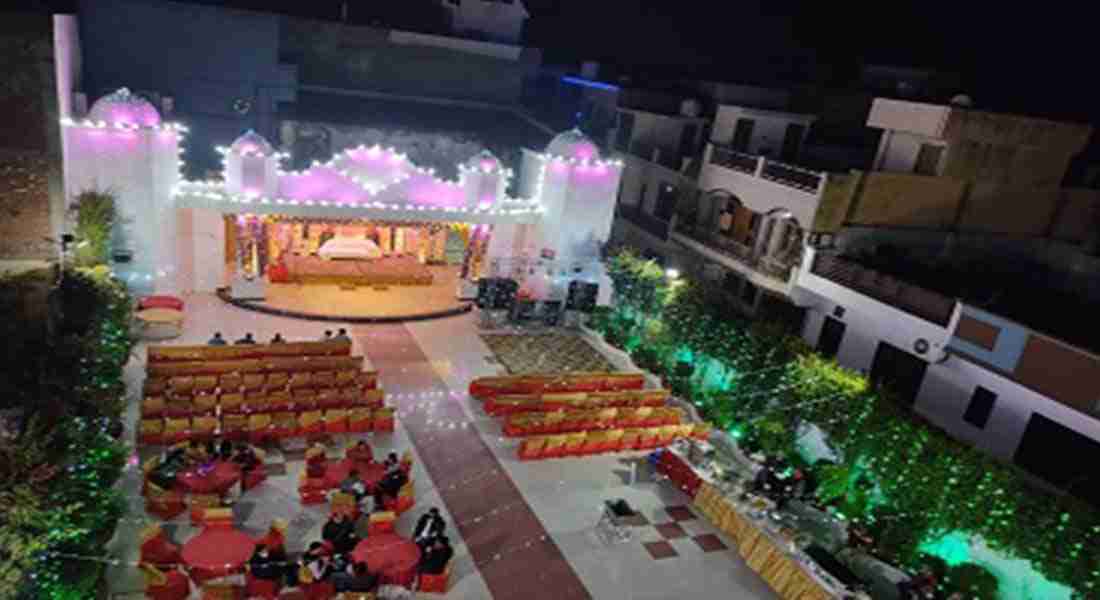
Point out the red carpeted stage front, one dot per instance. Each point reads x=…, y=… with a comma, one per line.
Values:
x=389, y=270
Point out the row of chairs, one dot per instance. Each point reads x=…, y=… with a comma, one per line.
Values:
x=174, y=353
x=506, y=405
x=236, y=403
x=488, y=387
x=290, y=364
x=189, y=385
x=591, y=420
x=258, y=428
x=597, y=442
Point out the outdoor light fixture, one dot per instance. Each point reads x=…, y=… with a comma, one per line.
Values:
x=672, y=274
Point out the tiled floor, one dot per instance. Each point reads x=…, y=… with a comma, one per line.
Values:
x=545, y=353
x=498, y=508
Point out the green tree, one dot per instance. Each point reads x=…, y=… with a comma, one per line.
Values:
x=93, y=214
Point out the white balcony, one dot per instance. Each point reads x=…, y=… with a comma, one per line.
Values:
x=763, y=185
x=928, y=120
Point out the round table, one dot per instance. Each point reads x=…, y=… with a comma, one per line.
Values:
x=391, y=556
x=218, y=481
x=370, y=473
x=216, y=553
x=160, y=323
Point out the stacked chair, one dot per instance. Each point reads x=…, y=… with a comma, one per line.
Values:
x=582, y=414
x=259, y=392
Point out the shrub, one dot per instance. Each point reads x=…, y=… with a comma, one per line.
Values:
x=94, y=216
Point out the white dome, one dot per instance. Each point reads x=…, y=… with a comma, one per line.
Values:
x=251, y=142
x=573, y=144
x=123, y=107
x=484, y=161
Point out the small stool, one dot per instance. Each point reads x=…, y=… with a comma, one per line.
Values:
x=159, y=323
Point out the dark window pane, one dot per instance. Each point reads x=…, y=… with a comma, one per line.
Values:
x=981, y=406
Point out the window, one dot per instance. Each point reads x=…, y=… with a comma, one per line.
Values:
x=687, y=140
x=928, y=159
x=981, y=406
x=749, y=294
x=792, y=141
x=666, y=202
x=742, y=135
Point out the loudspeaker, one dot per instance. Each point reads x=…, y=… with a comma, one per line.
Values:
x=582, y=296
x=494, y=293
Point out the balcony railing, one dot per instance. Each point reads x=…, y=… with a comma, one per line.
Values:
x=732, y=159
x=651, y=224
x=770, y=266
x=772, y=170
x=791, y=175
x=914, y=300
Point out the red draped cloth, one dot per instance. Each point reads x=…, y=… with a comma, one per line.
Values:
x=216, y=553
x=370, y=473
x=219, y=480
x=393, y=557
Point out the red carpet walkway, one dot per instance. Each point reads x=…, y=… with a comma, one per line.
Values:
x=515, y=560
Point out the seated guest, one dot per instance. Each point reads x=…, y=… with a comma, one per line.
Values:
x=393, y=481
x=246, y=458
x=278, y=339
x=196, y=452
x=262, y=565
x=315, y=573
x=246, y=340
x=357, y=578
x=391, y=462
x=340, y=532
x=361, y=452
x=211, y=450
x=328, y=336
x=225, y=450
x=342, y=336
x=217, y=340
x=437, y=556
x=429, y=527
x=354, y=486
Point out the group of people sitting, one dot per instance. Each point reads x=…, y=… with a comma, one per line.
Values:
x=219, y=340
x=390, y=486
x=328, y=566
x=199, y=453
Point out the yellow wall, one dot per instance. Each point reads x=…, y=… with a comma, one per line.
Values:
x=904, y=200
x=832, y=210
x=1009, y=209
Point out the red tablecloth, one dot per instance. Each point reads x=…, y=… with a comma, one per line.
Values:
x=216, y=553
x=224, y=476
x=371, y=473
x=681, y=473
x=392, y=556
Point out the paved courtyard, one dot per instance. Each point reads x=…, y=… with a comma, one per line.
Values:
x=520, y=529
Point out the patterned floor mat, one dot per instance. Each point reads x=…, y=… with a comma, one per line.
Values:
x=546, y=353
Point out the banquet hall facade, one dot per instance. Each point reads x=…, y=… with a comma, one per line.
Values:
x=368, y=216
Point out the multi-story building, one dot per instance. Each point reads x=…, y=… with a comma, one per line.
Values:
x=961, y=273
x=719, y=195
x=958, y=269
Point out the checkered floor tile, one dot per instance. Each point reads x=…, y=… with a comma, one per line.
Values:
x=680, y=513
x=709, y=542
x=671, y=531
x=546, y=353
x=660, y=550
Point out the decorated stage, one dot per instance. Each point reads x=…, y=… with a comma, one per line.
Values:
x=363, y=303
x=386, y=271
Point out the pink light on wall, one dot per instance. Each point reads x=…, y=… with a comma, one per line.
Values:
x=585, y=151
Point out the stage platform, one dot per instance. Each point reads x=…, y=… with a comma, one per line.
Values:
x=362, y=304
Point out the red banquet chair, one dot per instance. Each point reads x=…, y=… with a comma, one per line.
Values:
x=437, y=584
x=165, y=584
x=156, y=549
x=255, y=587
x=171, y=302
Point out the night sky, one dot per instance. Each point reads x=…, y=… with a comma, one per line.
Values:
x=1036, y=58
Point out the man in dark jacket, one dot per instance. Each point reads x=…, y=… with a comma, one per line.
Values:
x=437, y=556
x=340, y=532
x=429, y=527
